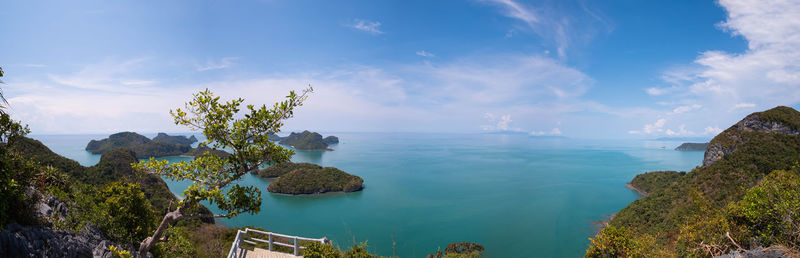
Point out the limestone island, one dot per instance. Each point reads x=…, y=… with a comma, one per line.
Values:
x=307, y=178
x=308, y=141
x=160, y=146
x=692, y=146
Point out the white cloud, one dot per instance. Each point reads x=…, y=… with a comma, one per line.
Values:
x=371, y=27
x=555, y=131
x=657, y=126
x=731, y=85
x=744, y=105
x=709, y=130
x=684, y=109
x=223, y=63
x=654, y=91
x=423, y=53
x=111, y=96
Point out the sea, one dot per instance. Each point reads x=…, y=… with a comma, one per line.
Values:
x=518, y=196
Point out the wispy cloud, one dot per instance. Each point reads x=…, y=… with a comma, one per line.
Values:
x=744, y=105
x=424, y=53
x=552, y=24
x=448, y=96
x=371, y=27
x=223, y=63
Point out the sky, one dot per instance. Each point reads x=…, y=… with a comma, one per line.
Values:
x=585, y=69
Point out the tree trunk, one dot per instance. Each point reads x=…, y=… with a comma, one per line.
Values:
x=169, y=218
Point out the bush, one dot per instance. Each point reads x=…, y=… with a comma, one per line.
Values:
x=320, y=250
x=128, y=214
x=771, y=210
x=459, y=250
x=358, y=251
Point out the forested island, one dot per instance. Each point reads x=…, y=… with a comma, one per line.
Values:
x=692, y=146
x=308, y=141
x=307, y=178
x=744, y=197
x=160, y=146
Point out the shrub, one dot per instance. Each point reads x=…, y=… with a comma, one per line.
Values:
x=128, y=214
x=771, y=210
x=320, y=250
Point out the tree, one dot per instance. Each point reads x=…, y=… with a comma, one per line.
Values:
x=248, y=140
x=3, y=101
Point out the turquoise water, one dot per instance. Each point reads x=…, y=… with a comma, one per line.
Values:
x=517, y=196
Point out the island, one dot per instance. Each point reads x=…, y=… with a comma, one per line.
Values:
x=161, y=146
x=692, y=146
x=307, y=178
x=178, y=139
x=309, y=141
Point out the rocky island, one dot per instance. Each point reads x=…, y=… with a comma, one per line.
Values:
x=160, y=146
x=307, y=178
x=692, y=146
x=308, y=141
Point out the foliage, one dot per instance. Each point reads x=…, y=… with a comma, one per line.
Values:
x=358, y=251
x=283, y=168
x=651, y=181
x=142, y=147
x=180, y=244
x=247, y=137
x=128, y=214
x=174, y=139
x=306, y=141
x=730, y=203
x=459, y=250
x=783, y=115
x=771, y=210
x=16, y=176
x=10, y=129
x=315, y=249
x=117, y=252
x=308, y=180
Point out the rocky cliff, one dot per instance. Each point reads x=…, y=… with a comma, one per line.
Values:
x=779, y=120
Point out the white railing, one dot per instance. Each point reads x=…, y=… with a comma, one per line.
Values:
x=244, y=236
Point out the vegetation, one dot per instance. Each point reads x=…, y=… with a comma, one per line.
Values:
x=459, y=250
x=177, y=139
x=128, y=214
x=283, y=168
x=160, y=146
x=309, y=178
x=652, y=181
x=308, y=141
x=247, y=137
x=692, y=146
x=744, y=200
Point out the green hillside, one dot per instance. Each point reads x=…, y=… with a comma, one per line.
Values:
x=747, y=197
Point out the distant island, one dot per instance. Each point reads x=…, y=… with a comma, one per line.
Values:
x=160, y=146
x=308, y=141
x=307, y=178
x=692, y=146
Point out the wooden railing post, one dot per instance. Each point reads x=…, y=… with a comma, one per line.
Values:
x=296, y=246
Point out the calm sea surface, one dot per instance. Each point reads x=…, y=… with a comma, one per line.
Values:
x=517, y=196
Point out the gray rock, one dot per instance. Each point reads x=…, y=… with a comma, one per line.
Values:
x=716, y=151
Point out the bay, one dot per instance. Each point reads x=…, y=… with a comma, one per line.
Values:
x=516, y=195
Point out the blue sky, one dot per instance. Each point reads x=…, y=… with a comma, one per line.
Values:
x=621, y=69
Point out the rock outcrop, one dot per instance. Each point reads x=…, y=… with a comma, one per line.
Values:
x=779, y=120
